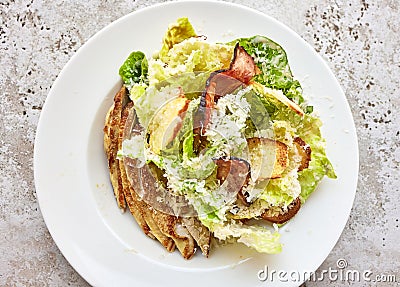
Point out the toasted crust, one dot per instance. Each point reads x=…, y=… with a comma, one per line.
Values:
x=268, y=156
x=305, y=152
x=282, y=218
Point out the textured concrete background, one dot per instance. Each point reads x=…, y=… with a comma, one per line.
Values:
x=359, y=39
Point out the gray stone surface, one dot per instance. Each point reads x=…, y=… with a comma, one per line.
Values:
x=359, y=39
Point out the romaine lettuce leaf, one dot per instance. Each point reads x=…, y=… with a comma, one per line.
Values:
x=319, y=165
x=199, y=55
x=257, y=237
x=134, y=70
x=187, y=148
x=176, y=33
x=189, y=64
x=147, y=105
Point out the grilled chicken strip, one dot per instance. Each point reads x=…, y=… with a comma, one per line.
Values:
x=111, y=134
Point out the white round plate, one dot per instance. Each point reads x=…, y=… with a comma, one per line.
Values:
x=72, y=182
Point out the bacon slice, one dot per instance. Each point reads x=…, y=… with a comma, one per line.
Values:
x=236, y=172
x=243, y=67
x=305, y=152
x=222, y=82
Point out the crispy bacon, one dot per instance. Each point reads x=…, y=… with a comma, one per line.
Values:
x=236, y=172
x=305, y=152
x=243, y=67
x=222, y=82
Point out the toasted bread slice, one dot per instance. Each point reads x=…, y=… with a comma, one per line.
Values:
x=304, y=151
x=111, y=134
x=293, y=208
x=268, y=158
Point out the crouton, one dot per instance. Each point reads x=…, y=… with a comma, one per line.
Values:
x=268, y=158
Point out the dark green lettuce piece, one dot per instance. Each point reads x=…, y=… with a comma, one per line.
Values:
x=135, y=69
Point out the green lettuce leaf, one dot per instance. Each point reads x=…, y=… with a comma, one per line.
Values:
x=319, y=165
x=188, y=145
x=147, y=104
x=189, y=64
x=176, y=33
x=199, y=55
x=257, y=237
x=134, y=70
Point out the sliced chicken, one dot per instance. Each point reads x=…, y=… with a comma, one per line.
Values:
x=172, y=227
x=111, y=134
x=199, y=232
x=135, y=207
x=170, y=230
